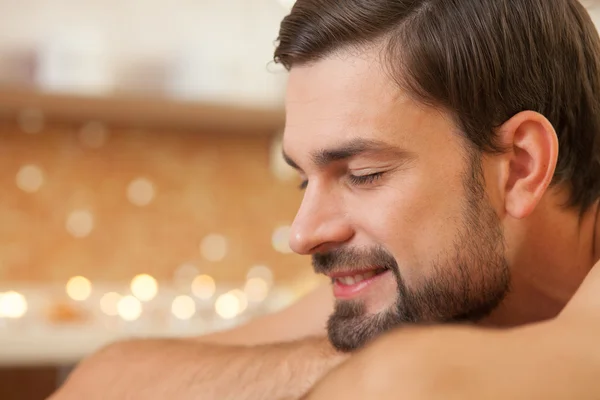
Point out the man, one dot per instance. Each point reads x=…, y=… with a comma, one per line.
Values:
x=451, y=165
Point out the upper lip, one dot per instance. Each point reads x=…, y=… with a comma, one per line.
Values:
x=351, y=272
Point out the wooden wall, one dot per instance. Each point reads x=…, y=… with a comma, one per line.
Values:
x=204, y=183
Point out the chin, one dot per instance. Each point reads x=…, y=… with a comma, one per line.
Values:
x=353, y=325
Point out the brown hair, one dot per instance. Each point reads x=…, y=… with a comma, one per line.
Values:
x=482, y=60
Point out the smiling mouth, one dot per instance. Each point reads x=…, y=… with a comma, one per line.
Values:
x=353, y=284
x=353, y=277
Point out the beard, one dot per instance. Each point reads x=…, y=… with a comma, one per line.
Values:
x=468, y=282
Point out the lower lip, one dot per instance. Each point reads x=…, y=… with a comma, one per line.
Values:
x=346, y=292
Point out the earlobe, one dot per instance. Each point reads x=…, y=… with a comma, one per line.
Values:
x=530, y=161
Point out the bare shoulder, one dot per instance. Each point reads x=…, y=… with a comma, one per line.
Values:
x=585, y=304
x=306, y=317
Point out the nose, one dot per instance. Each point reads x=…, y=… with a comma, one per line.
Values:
x=321, y=223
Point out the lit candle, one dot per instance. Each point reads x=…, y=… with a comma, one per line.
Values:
x=144, y=287
x=79, y=288
x=183, y=307
x=129, y=308
x=13, y=305
x=227, y=306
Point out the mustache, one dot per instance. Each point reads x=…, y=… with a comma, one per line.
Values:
x=343, y=259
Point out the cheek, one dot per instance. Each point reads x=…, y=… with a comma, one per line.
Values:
x=417, y=222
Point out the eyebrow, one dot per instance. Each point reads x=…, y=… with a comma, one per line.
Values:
x=351, y=149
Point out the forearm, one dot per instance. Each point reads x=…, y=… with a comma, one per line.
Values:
x=177, y=369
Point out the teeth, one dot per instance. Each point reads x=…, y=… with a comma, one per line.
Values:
x=346, y=280
x=351, y=280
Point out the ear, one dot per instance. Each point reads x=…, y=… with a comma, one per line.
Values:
x=529, y=163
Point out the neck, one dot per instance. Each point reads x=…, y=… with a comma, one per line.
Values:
x=597, y=234
x=553, y=252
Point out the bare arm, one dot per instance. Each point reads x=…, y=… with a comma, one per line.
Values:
x=266, y=357
x=307, y=317
x=177, y=369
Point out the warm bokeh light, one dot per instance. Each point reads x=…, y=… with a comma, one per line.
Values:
x=129, y=308
x=80, y=223
x=141, y=192
x=261, y=271
x=227, y=306
x=183, y=307
x=203, y=287
x=30, y=178
x=256, y=289
x=144, y=287
x=214, y=247
x=79, y=288
x=242, y=299
x=109, y=303
x=12, y=305
x=281, y=240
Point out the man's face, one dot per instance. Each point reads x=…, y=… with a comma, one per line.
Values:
x=394, y=209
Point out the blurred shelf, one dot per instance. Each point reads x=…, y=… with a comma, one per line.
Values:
x=144, y=112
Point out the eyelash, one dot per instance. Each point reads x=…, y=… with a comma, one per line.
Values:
x=354, y=179
x=364, y=179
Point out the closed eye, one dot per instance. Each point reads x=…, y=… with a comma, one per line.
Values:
x=364, y=179
x=357, y=180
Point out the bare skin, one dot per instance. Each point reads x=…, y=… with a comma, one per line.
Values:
x=551, y=357
x=291, y=347
x=555, y=359
x=414, y=210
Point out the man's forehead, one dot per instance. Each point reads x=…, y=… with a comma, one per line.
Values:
x=340, y=96
x=340, y=99
x=341, y=76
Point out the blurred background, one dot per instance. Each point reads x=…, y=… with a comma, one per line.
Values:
x=143, y=190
